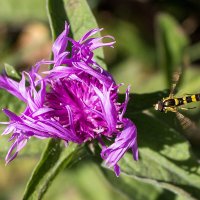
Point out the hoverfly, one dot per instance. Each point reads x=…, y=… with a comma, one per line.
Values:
x=172, y=103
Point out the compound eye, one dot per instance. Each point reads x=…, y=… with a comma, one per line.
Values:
x=160, y=106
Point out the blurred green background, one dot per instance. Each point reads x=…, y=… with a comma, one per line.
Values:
x=140, y=58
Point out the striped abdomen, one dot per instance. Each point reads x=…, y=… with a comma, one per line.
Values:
x=185, y=100
x=173, y=102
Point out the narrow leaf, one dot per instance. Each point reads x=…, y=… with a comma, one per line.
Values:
x=134, y=188
x=57, y=16
x=55, y=158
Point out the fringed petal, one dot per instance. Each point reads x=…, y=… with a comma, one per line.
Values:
x=75, y=102
x=18, y=144
x=60, y=43
x=124, y=141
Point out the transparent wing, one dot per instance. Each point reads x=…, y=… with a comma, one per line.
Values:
x=191, y=130
x=175, y=81
x=177, y=74
x=185, y=122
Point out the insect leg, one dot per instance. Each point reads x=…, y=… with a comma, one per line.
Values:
x=183, y=108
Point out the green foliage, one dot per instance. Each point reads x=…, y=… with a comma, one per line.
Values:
x=81, y=182
x=22, y=10
x=171, y=44
x=132, y=186
x=167, y=165
x=165, y=157
x=57, y=16
x=11, y=72
x=193, y=51
x=55, y=158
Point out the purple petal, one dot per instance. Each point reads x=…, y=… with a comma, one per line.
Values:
x=117, y=170
x=125, y=102
x=96, y=43
x=19, y=143
x=42, y=111
x=99, y=76
x=90, y=33
x=8, y=130
x=124, y=140
x=61, y=72
x=11, y=86
x=60, y=43
x=11, y=115
x=108, y=108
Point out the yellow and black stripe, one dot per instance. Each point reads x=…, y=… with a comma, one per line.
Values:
x=174, y=102
x=187, y=99
x=171, y=104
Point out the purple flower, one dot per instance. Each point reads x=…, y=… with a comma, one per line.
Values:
x=77, y=102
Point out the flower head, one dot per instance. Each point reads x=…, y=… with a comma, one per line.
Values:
x=77, y=102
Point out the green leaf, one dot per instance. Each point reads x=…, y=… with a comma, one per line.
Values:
x=55, y=158
x=57, y=16
x=133, y=188
x=11, y=72
x=171, y=44
x=165, y=158
x=81, y=21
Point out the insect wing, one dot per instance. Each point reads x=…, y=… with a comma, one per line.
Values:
x=191, y=130
x=175, y=81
